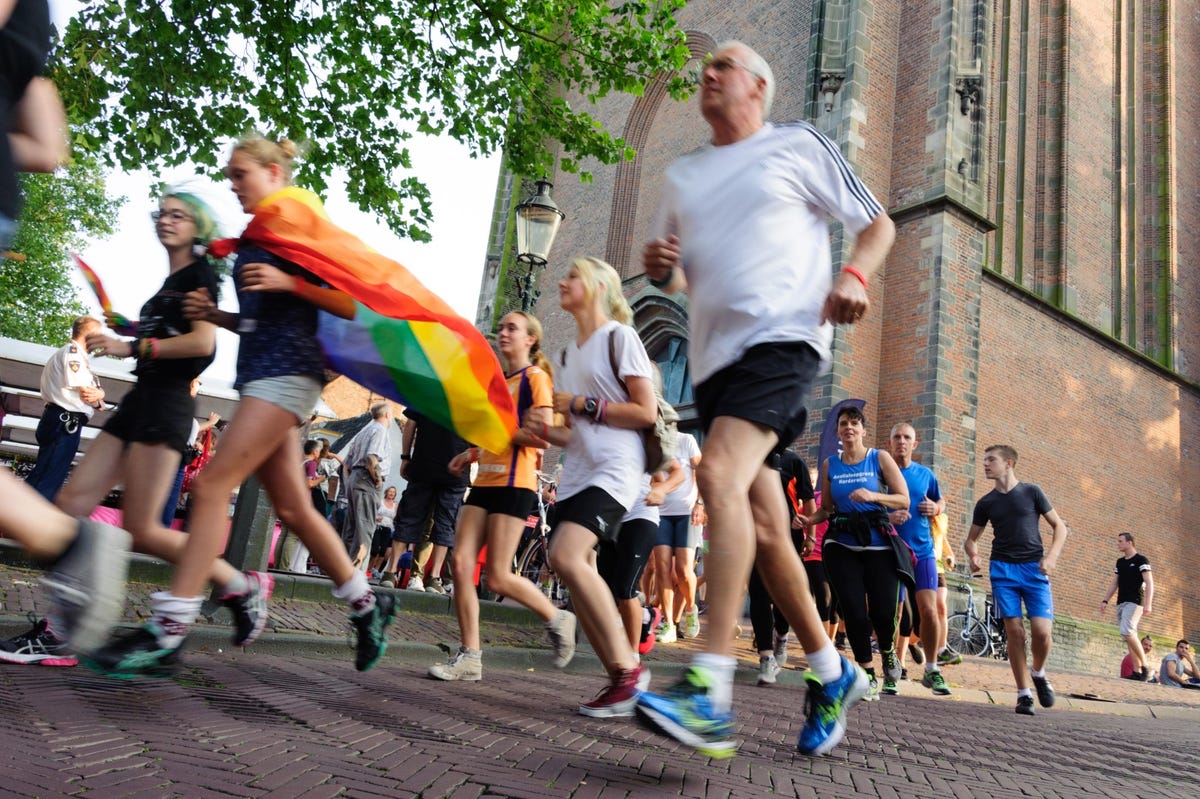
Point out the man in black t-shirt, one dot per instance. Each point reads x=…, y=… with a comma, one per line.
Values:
x=1020, y=569
x=432, y=489
x=1134, y=586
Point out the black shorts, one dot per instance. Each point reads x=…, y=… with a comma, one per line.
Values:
x=155, y=413
x=594, y=509
x=380, y=541
x=518, y=502
x=768, y=386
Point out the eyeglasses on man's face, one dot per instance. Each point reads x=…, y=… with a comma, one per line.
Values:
x=725, y=63
x=172, y=215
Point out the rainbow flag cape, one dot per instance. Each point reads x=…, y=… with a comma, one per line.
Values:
x=404, y=341
x=116, y=321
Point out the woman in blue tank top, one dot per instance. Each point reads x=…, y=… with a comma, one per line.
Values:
x=860, y=563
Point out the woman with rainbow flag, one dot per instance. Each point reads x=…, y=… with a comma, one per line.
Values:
x=605, y=395
x=281, y=372
x=501, y=500
x=141, y=445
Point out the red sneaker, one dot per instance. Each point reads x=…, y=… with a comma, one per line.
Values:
x=648, y=631
x=620, y=696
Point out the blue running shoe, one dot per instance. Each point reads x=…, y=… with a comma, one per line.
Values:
x=686, y=714
x=826, y=706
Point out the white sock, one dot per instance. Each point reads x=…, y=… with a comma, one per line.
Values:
x=1024, y=692
x=237, y=586
x=826, y=663
x=722, y=668
x=356, y=592
x=645, y=615
x=174, y=615
x=1039, y=673
x=930, y=666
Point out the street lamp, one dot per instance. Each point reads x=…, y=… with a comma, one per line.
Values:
x=538, y=219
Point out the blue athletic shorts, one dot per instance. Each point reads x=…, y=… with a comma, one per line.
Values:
x=1014, y=583
x=673, y=531
x=926, y=574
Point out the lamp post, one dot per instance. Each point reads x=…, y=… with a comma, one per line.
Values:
x=538, y=219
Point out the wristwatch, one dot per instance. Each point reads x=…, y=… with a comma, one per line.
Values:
x=589, y=406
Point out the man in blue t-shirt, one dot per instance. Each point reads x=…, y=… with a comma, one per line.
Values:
x=1020, y=568
x=912, y=523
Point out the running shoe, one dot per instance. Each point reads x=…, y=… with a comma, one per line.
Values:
x=139, y=652
x=948, y=658
x=691, y=623
x=891, y=666
x=872, y=688
x=1025, y=706
x=649, y=635
x=38, y=646
x=1045, y=691
x=936, y=682
x=686, y=714
x=826, y=707
x=250, y=608
x=461, y=666
x=917, y=653
x=619, y=697
x=768, y=670
x=87, y=585
x=372, y=631
x=839, y=641
x=781, y=649
x=415, y=583
x=388, y=580
x=889, y=686
x=669, y=634
x=434, y=586
x=561, y=630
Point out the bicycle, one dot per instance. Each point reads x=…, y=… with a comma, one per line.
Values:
x=970, y=633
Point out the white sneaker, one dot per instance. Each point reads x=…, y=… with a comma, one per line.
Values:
x=435, y=586
x=691, y=623
x=416, y=583
x=460, y=666
x=781, y=653
x=768, y=670
x=561, y=630
x=669, y=635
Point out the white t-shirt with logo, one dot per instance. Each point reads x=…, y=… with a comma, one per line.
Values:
x=751, y=221
x=600, y=455
x=680, y=501
x=67, y=371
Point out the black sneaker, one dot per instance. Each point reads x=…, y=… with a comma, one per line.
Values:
x=916, y=653
x=87, y=585
x=37, y=647
x=250, y=609
x=372, y=631
x=1045, y=691
x=1025, y=706
x=136, y=653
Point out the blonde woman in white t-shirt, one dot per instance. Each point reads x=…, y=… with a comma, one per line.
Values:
x=604, y=395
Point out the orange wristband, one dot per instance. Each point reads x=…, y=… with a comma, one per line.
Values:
x=850, y=270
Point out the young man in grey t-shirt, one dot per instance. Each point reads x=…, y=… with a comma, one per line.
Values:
x=1020, y=567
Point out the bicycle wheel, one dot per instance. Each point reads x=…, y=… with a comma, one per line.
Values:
x=966, y=635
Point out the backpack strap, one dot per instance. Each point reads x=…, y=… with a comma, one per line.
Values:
x=612, y=361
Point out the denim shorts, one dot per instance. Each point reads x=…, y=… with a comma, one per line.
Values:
x=1014, y=583
x=295, y=393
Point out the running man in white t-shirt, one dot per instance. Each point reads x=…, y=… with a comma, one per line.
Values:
x=743, y=229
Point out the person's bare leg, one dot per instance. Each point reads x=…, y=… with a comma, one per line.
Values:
x=1040, y=642
x=503, y=538
x=439, y=560
x=1015, y=630
x=258, y=429
x=685, y=576
x=284, y=483
x=664, y=582
x=943, y=615
x=468, y=541
x=732, y=460
x=41, y=529
x=931, y=623
x=595, y=606
x=631, y=620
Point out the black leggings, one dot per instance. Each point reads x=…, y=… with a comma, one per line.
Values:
x=818, y=586
x=621, y=564
x=910, y=618
x=868, y=593
x=764, y=616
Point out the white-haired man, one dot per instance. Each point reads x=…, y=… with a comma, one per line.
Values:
x=743, y=228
